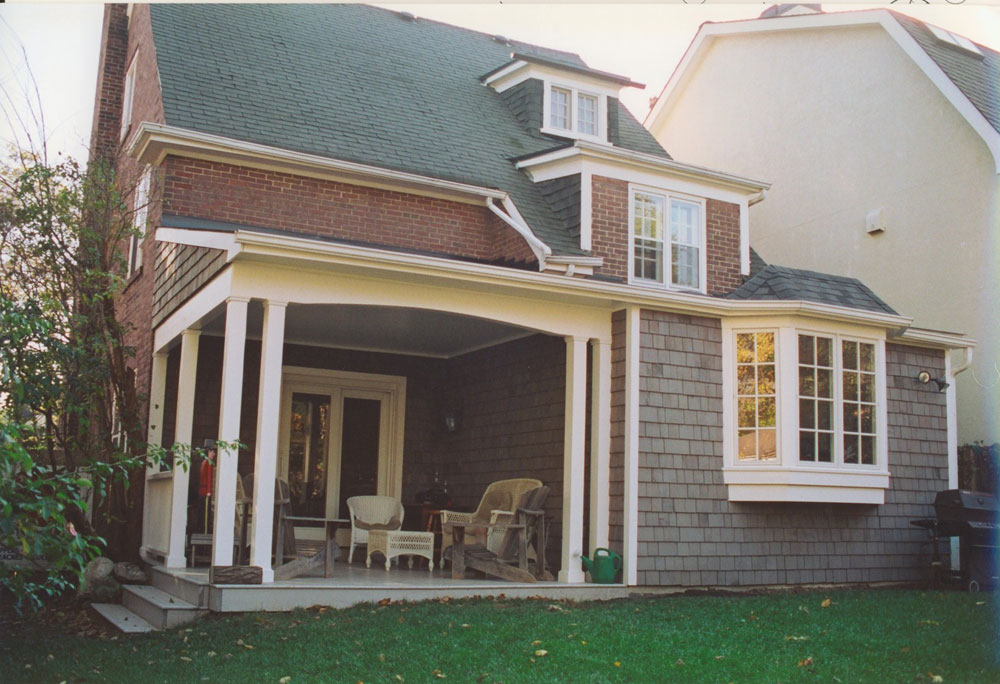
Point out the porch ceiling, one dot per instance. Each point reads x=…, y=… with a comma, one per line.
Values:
x=379, y=328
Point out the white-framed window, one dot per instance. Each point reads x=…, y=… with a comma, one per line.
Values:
x=757, y=413
x=574, y=112
x=667, y=254
x=128, y=95
x=140, y=214
x=804, y=412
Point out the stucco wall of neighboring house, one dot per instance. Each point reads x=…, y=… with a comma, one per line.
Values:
x=691, y=535
x=843, y=122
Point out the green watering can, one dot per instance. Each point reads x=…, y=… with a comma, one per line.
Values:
x=604, y=567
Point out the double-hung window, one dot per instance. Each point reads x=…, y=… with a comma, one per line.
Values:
x=140, y=213
x=574, y=113
x=128, y=95
x=667, y=234
x=805, y=414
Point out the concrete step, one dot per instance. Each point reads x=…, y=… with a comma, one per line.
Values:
x=121, y=618
x=194, y=591
x=160, y=609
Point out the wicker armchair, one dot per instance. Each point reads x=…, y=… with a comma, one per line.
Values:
x=496, y=506
x=372, y=513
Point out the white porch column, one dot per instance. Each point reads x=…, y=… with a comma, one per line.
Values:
x=268, y=406
x=573, y=459
x=154, y=436
x=630, y=549
x=229, y=430
x=600, y=443
x=182, y=435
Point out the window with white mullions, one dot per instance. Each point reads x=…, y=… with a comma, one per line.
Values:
x=685, y=243
x=859, y=401
x=140, y=213
x=559, y=108
x=586, y=114
x=816, y=433
x=756, y=405
x=648, y=231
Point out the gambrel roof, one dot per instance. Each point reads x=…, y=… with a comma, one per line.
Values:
x=364, y=85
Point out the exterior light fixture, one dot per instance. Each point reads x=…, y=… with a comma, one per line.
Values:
x=924, y=377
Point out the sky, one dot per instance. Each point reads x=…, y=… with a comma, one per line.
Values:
x=59, y=43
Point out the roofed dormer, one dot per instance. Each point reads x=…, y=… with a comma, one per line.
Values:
x=560, y=98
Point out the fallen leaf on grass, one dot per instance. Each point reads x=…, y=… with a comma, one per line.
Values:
x=381, y=657
x=806, y=663
x=284, y=680
x=541, y=653
x=439, y=674
x=399, y=678
x=618, y=663
x=465, y=625
x=719, y=657
x=679, y=662
x=536, y=642
x=185, y=659
x=554, y=608
x=826, y=603
x=937, y=679
x=929, y=622
x=796, y=638
x=211, y=654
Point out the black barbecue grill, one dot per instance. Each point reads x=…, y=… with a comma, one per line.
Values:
x=973, y=518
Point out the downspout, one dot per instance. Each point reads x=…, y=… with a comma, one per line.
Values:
x=513, y=218
x=952, y=432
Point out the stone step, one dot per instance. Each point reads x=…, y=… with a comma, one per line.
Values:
x=121, y=618
x=159, y=608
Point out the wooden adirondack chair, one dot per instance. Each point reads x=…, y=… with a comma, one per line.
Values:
x=510, y=561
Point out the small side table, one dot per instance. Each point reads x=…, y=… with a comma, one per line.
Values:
x=393, y=543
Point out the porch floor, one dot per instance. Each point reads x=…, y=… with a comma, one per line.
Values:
x=353, y=583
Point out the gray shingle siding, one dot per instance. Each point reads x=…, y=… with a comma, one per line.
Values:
x=525, y=102
x=691, y=535
x=563, y=197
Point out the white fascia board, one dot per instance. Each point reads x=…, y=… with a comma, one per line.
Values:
x=708, y=32
x=569, y=160
x=920, y=337
x=197, y=238
x=153, y=142
x=507, y=77
x=269, y=246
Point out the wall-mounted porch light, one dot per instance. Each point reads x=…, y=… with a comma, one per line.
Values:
x=924, y=377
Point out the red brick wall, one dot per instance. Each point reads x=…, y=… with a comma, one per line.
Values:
x=609, y=230
x=723, y=238
x=225, y=192
x=110, y=81
x=609, y=225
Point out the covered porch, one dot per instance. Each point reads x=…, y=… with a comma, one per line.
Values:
x=342, y=381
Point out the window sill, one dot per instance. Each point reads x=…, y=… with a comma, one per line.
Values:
x=574, y=135
x=826, y=485
x=656, y=285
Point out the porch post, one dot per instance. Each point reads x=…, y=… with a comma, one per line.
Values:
x=183, y=427
x=600, y=443
x=265, y=464
x=154, y=437
x=630, y=549
x=573, y=459
x=229, y=430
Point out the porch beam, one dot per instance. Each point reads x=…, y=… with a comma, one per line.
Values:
x=631, y=474
x=600, y=443
x=183, y=428
x=154, y=438
x=229, y=430
x=573, y=459
x=268, y=408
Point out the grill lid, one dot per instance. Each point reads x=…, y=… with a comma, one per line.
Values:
x=960, y=505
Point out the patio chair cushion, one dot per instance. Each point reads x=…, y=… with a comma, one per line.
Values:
x=393, y=524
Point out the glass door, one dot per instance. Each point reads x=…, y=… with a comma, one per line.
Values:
x=309, y=453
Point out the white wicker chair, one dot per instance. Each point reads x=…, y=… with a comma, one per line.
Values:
x=372, y=513
x=496, y=507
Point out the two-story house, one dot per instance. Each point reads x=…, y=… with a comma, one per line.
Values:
x=881, y=137
x=434, y=251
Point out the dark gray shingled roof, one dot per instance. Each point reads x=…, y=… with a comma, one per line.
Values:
x=977, y=78
x=361, y=84
x=781, y=283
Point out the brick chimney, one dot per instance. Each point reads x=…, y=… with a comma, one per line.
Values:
x=106, y=129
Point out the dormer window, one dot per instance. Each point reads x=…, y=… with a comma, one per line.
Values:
x=575, y=113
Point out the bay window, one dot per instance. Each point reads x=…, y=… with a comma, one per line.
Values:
x=668, y=254
x=804, y=413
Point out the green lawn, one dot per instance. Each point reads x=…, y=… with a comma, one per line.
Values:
x=855, y=636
